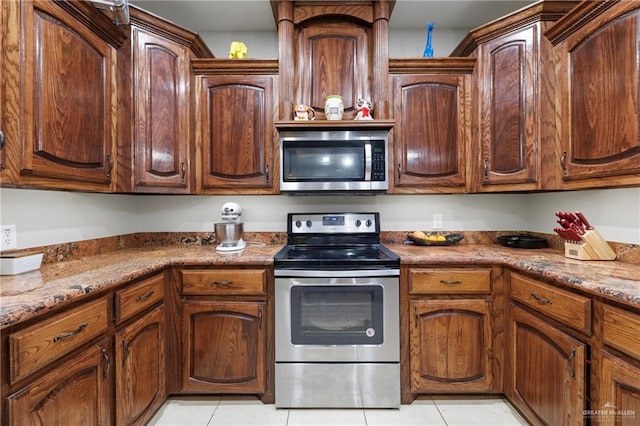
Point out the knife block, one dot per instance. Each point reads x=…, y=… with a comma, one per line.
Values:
x=592, y=247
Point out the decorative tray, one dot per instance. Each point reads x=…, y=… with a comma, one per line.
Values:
x=434, y=240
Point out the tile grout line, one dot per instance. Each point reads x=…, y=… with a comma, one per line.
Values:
x=439, y=412
x=210, y=422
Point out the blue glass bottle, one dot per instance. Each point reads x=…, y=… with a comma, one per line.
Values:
x=428, y=50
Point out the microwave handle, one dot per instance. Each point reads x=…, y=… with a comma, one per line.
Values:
x=367, y=161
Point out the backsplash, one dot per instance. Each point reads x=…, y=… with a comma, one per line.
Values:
x=629, y=253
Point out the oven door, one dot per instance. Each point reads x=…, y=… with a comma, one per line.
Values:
x=337, y=319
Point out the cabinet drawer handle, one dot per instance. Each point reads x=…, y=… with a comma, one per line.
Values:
x=1, y=139
x=184, y=171
x=450, y=282
x=70, y=333
x=107, y=364
x=563, y=162
x=144, y=297
x=260, y=318
x=541, y=300
x=399, y=172
x=266, y=174
x=110, y=165
x=570, y=358
x=223, y=284
x=485, y=169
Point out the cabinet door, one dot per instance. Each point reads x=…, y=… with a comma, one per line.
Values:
x=237, y=134
x=140, y=368
x=69, y=96
x=162, y=114
x=224, y=347
x=430, y=134
x=508, y=68
x=600, y=124
x=619, y=393
x=545, y=371
x=451, y=346
x=333, y=61
x=75, y=393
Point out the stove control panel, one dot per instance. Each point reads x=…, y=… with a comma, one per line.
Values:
x=334, y=223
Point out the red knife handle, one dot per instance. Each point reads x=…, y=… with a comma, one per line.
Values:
x=584, y=220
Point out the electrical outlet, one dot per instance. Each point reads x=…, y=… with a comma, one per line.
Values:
x=8, y=237
x=437, y=221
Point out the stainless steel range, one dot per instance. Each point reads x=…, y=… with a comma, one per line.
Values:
x=337, y=314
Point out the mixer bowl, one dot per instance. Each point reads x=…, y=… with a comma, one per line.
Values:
x=228, y=234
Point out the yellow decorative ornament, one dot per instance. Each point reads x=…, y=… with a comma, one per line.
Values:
x=237, y=50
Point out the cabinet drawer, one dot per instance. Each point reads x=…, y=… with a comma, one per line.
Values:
x=36, y=346
x=224, y=281
x=570, y=309
x=449, y=281
x=137, y=297
x=621, y=330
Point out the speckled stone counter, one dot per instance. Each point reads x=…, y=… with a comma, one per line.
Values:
x=28, y=295
x=617, y=281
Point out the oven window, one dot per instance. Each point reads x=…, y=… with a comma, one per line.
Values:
x=336, y=315
x=309, y=161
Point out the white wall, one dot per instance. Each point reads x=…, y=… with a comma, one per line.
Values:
x=50, y=217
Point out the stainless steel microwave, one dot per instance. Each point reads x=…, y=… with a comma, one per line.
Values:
x=335, y=161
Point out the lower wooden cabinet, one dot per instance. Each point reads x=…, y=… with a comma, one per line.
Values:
x=546, y=373
x=224, y=346
x=140, y=368
x=451, y=346
x=619, y=394
x=76, y=393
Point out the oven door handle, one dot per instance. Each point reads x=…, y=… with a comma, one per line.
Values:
x=304, y=273
x=367, y=161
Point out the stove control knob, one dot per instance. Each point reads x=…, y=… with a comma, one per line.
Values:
x=368, y=222
x=298, y=224
x=309, y=223
x=358, y=223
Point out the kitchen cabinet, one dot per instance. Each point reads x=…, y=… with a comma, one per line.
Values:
x=451, y=343
x=224, y=321
x=326, y=48
x=431, y=107
x=139, y=368
x=155, y=147
x=597, y=96
x=513, y=134
x=75, y=393
x=616, y=367
x=61, y=82
x=546, y=372
x=236, y=138
x=140, y=364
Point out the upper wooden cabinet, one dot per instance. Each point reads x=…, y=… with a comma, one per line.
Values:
x=235, y=107
x=513, y=134
x=431, y=136
x=156, y=129
x=597, y=98
x=61, y=72
x=332, y=48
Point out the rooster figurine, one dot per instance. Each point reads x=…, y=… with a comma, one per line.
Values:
x=364, y=107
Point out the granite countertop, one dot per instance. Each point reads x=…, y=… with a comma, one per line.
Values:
x=27, y=295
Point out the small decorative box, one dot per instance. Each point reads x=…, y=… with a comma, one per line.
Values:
x=17, y=263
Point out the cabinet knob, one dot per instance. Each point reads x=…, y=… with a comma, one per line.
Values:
x=485, y=169
x=184, y=171
x=107, y=364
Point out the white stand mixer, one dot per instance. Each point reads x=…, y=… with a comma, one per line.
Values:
x=229, y=232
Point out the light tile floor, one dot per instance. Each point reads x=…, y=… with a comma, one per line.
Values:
x=249, y=411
